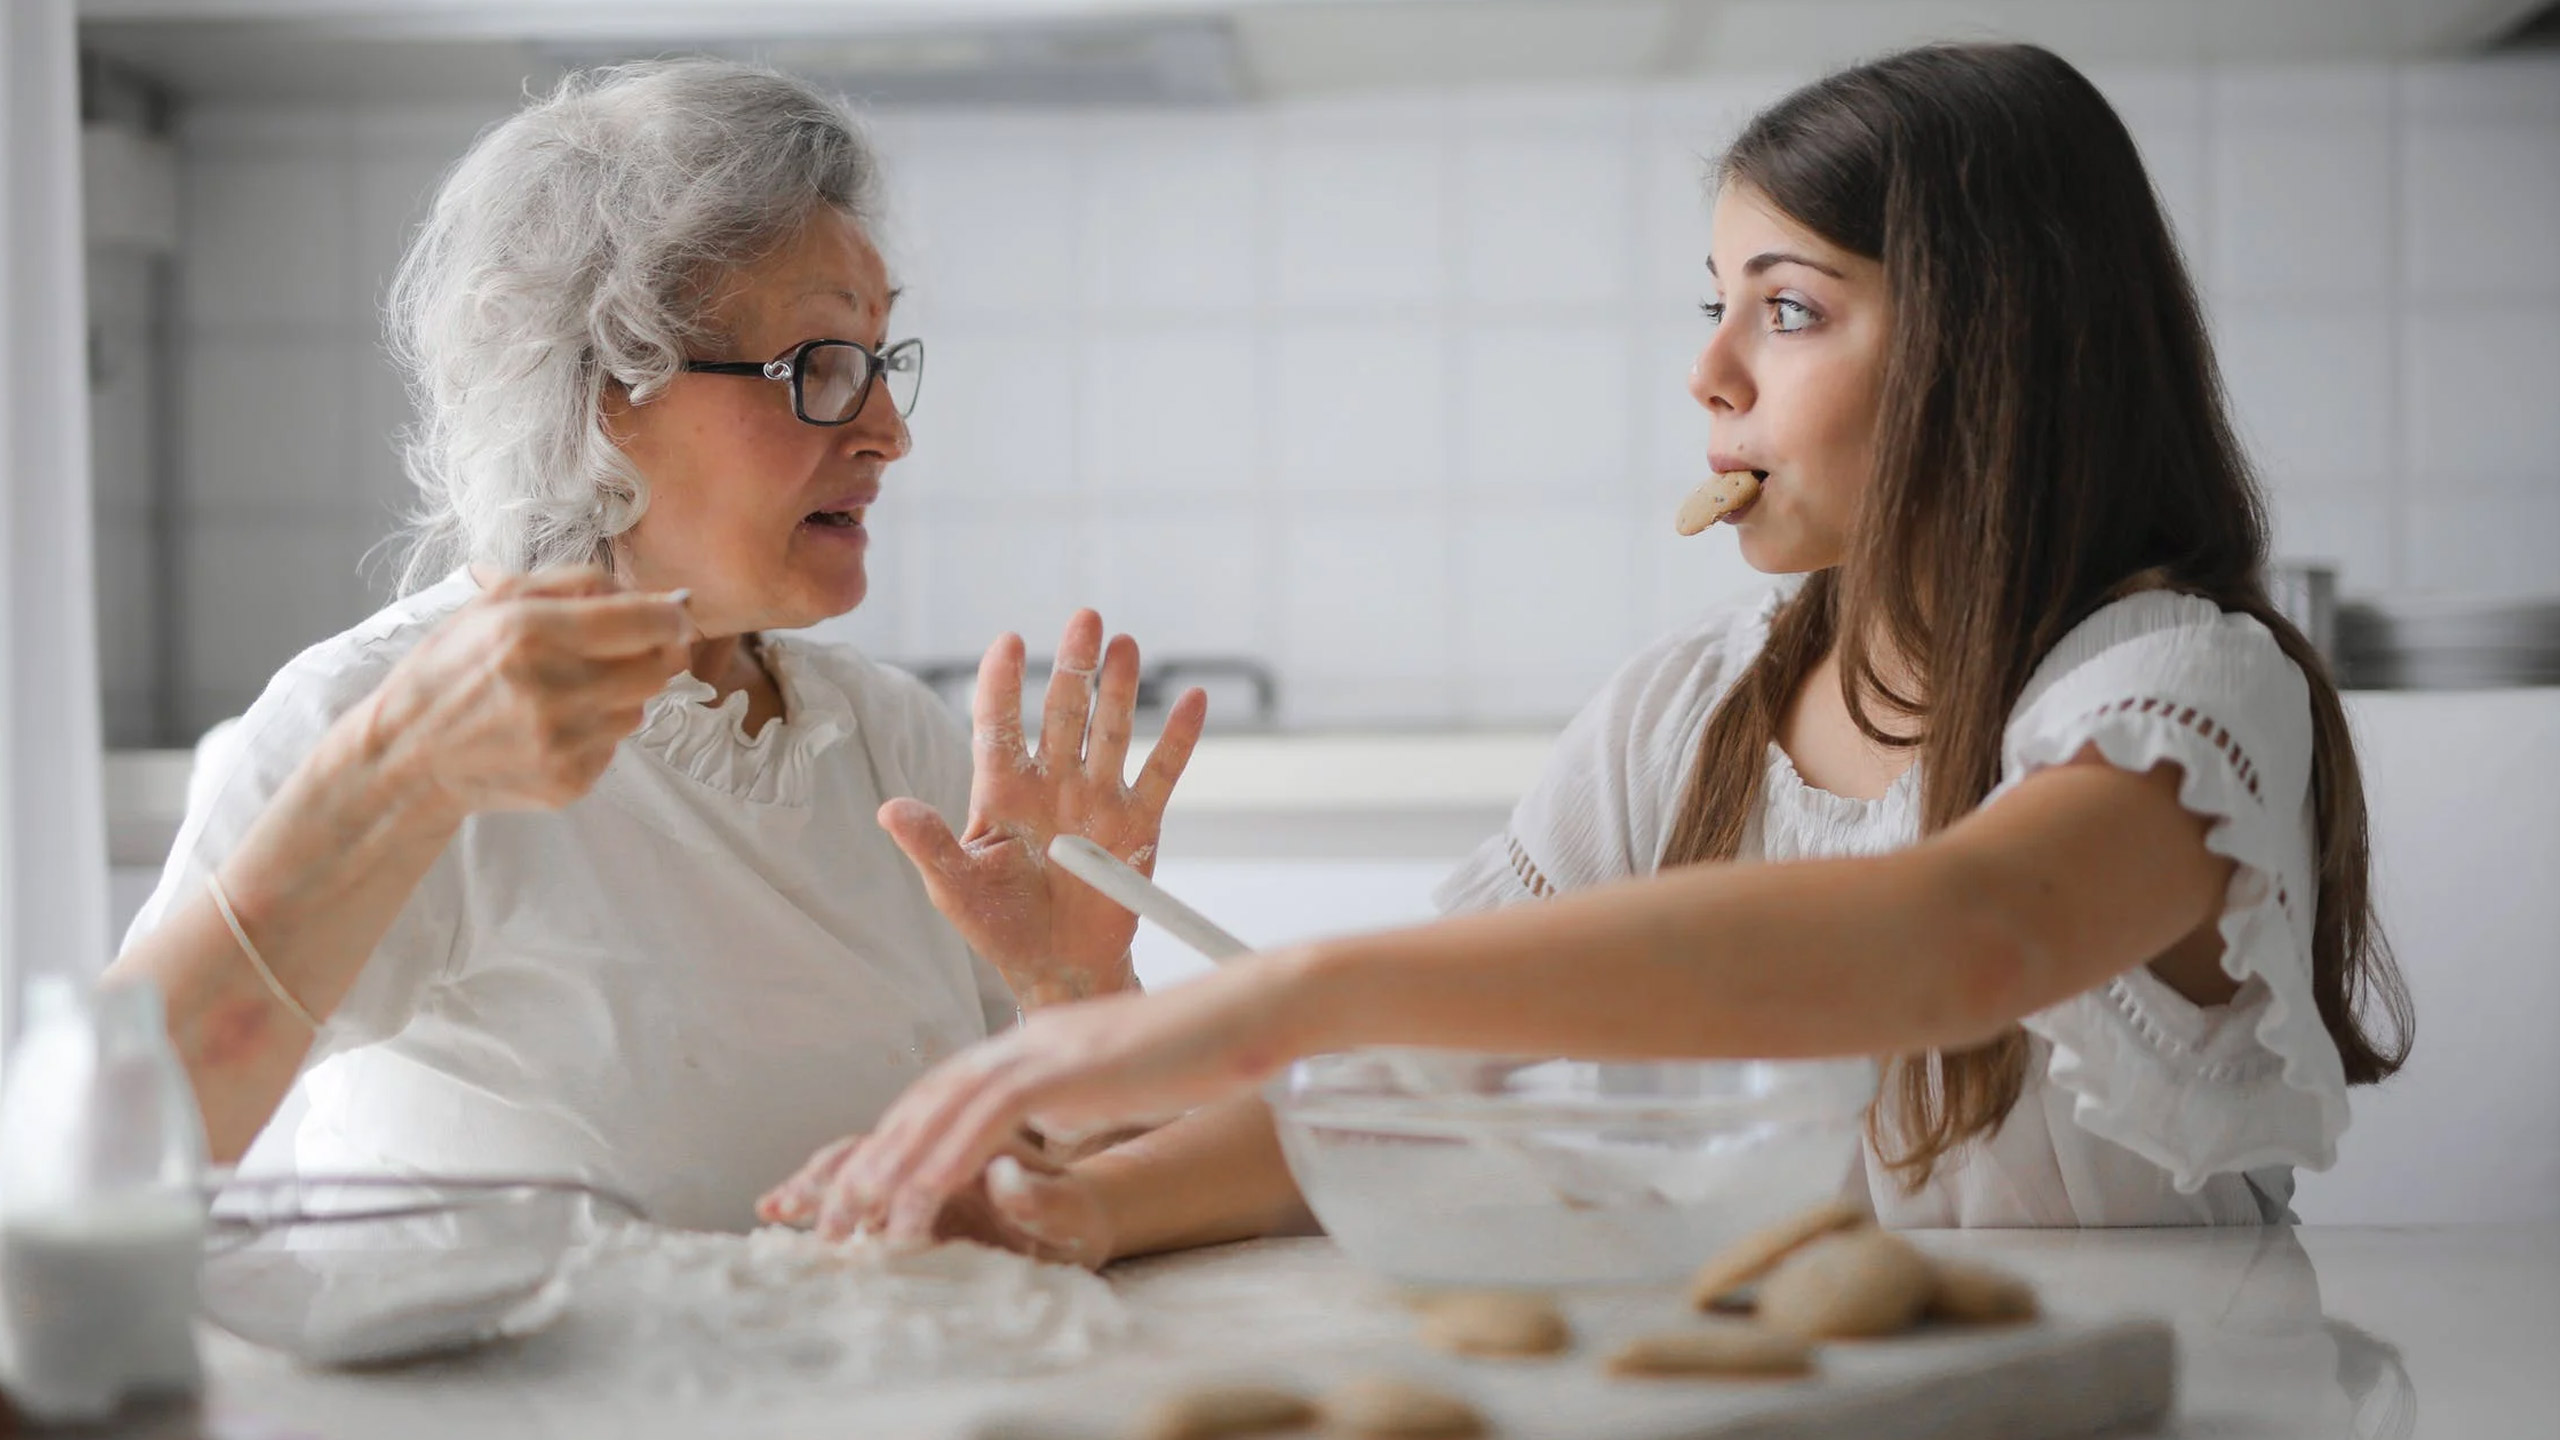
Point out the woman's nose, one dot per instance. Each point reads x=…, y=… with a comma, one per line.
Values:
x=1717, y=380
x=880, y=429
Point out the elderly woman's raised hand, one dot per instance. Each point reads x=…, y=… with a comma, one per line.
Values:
x=1053, y=937
x=517, y=701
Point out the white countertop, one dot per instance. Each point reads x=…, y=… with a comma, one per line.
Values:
x=1414, y=793
x=1424, y=792
x=2398, y=1334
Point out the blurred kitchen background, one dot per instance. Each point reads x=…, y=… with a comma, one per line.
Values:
x=1340, y=347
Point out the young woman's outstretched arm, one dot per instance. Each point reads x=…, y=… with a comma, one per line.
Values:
x=2079, y=873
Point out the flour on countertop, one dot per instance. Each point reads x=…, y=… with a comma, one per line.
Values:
x=692, y=1313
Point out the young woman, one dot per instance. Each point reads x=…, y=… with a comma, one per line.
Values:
x=2044, y=798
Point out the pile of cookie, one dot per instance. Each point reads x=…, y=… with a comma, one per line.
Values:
x=1826, y=1275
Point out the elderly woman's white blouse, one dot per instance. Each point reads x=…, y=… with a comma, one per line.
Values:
x=2141, y=1107
x=680, y=985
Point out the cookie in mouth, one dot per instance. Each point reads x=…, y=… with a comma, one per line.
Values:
x=1719, y=497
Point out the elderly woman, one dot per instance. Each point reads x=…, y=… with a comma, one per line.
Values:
x=564, y=863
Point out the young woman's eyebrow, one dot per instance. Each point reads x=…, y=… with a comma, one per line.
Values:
x=1768, y=258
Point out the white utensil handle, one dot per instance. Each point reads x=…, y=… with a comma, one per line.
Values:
x=1105, y=872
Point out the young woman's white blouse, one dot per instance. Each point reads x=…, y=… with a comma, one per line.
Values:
x=2141, y=1108
x=680, y=985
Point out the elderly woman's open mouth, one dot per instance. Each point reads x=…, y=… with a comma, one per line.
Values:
x=841, y=518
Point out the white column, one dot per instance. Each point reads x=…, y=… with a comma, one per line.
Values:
x=53, y=877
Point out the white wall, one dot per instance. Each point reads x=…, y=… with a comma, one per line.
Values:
x=1389, y=390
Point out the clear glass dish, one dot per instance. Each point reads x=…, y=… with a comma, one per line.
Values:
x=1440, y=1168
x=380, y=1270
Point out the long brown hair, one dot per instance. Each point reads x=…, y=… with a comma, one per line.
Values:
x=2053, y=435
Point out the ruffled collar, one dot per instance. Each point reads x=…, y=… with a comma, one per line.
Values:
x=1788, y=787
x=703, y=736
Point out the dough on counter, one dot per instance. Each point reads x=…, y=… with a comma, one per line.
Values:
x=1387, y=1407
x=1731, y=1347
x=1494, y=1322
x=1759, y=1252
x=1852, y=1286
x=1214, y=1411
x=1971, y=1294
x=1716, y=497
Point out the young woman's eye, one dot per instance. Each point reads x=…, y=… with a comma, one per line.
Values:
x=1787, y=316
x=1713, y=310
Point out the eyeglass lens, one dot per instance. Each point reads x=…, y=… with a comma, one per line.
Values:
x=834, y=379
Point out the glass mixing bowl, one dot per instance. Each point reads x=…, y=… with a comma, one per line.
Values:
x=379, y=1270
x=1440, y=1168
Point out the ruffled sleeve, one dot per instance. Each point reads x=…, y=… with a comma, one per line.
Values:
x=2199, y=1091
x=1603, y=807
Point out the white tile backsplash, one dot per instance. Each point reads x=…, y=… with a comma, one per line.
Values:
x=2154, y=97
x=2309, y=96
x=2483, y=209
x=997, y=415
x=1677, y=212
x=1182, y=583
x=269, y=242
x=988, y=219
x=1671, y=427
x=1170, y=411
x=986, y=570
x=1360, y=408
x=2504, y=87
x=1368, y=594
x=2486, y=545
x=1360, y=222
x=392, y=195
x=2166, y=109
x=2361, y=537
x=2177, y=161
x=265, y=423
x=2484, y=395
x=1544, y=408
x=1390, y=389
x=1171, y=216
x=216, y=130
x=1529, y=647
x=255, y=590
x=2311, y=391
x=125, y=423
x=1544, y=219
x=378, y=475
x=129, y=577
x=2302, y=208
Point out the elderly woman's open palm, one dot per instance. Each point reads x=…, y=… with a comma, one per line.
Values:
x=1053, y=937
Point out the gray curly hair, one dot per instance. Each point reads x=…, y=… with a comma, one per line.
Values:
x=580, y=244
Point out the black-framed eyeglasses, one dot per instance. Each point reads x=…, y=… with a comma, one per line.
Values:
x=830, y=379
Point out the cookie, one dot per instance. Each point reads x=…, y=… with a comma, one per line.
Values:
x=1214, y=1411
x=1732, y=1348
x=1716, y=497
x=1494, y=1322
x=1755, y=1254
x=1970, y=1294
x=1852, y=1286
x=1384, y=1407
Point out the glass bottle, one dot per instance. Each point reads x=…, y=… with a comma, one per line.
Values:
x=101, y=1216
